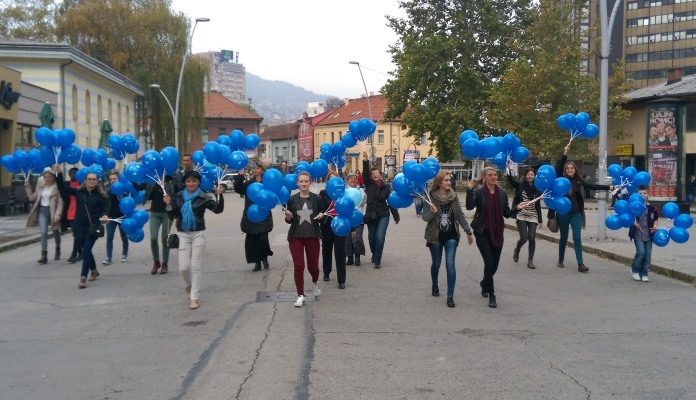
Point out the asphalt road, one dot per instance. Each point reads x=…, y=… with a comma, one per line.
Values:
x=556, y=334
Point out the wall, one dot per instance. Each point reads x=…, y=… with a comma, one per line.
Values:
x=8, y=121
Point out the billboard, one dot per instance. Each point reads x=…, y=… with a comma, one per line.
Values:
x=226, y=56
x=663, y=152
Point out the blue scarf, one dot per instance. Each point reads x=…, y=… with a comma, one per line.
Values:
x=188, y=220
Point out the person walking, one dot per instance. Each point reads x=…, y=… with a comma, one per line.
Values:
x=303, y=213
x=355, y=245
x=574, y=219
x=641, y=233
x=238, y=180
x=91, y=211
x=529, y=217
x=114, y=212
x=160, y=224
x=444, y=217
x=71, y=211
x=188, y=207
x=257, y=248
x=377, y=210
x=491, y=204
x=330, y=242
x=361, y=183
x=46, y=212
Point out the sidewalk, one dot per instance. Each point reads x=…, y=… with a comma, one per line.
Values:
x=14, y=233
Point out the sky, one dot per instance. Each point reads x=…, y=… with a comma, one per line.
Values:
x=307, y=43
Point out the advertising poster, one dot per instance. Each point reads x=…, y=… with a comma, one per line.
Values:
x=663, y=153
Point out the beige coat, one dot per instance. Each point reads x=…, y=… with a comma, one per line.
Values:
x=55, y=203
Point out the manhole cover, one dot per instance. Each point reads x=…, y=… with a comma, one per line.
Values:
x=281, y=297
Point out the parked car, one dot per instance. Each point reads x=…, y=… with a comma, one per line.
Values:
x=227, y=181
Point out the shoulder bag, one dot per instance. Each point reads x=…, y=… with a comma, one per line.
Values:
x=94, y=229
x=172, y=238
x=552, y=222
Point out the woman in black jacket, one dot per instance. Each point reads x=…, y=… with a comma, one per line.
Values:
x=188, y=208
x=529, y=217
x=111, y=226
x=257, y=248
x=92, y=207
x=377, y=211
x=332, y=243
x=491, y=204
x=576, y=217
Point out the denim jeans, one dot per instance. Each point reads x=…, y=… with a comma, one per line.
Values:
x=159, y=219
x=88, y=263
x=450, y=247
x=575, y=222
x=191, y=250
x=641, y=261
x=110, y=231
x=376, y=234
x=44, y=226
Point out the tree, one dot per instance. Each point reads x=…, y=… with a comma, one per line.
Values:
x=28, y=19
x=448, y=54
x=333, y=103
x=248, y=108
x=547, y=81
x=144, y=40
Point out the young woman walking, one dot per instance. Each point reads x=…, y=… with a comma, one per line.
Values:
x=159, y=224
x=257, y=248
x=529, y=217
x=355, y=245
x=491, y=204
x=111, y=226
x=444, y=217
x=332, y=243
x=46, y=212
x=377, y=210
x=303, y=212
x=188, y=208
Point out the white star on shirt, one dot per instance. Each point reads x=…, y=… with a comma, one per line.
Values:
x=305, y=214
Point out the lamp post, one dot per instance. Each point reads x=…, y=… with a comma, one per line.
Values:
x=175, y=110
x=605, y=31
x=369, y=109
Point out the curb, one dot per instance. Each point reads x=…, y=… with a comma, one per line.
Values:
x=25, y=241
x=665, y=271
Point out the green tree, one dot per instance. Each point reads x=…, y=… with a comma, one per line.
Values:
x=547, y=81
x=28, y=19
x=448, y=54
x=144, y=40
x=333, y=103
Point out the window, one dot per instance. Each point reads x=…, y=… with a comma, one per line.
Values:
x=88, y=107
x=127, y=118
x=204, y=135
x=424, y=139
x=99, y=109
x=380, y=137
x=74, y=103
x=222, y=131
x=691, y=117
x=118, y=114
x=109, y=112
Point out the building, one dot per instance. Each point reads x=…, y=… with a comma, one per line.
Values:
x=227, y=76
x=305, y=139
x=315, y=108
x=280, y=143
x=392, y=146
x=661, y=135
x=222, y=116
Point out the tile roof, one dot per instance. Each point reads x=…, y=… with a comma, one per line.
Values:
x=279, y=132
x=684, y=88
x=357, y=109
x=218, y=106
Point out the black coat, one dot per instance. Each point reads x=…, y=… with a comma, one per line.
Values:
x=246, y=224
x=530, y=190
x=199, y=204
x=96, y=203
x=376, y=204
x=475, y=198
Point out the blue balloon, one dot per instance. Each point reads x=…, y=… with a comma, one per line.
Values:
x=71, y=154
x=684, y=221
x=135, y=172
x=636, y=197
x=471, y=148
x=138, y=196
x=520, y=154
x=591, y=131
x=303, y=166
x=338, y=149
x=98, y=170
x=615, y=171
x=613, y=222
x=237, y=138
x=283, y=195
x=636, y=208
x=47, y=155
x=562, y=123
x=560, y=186
x=251, y=141
x=130, y=143
x=253, y=191
x=237, y=160
x=629, y=173
x=319, y=169
x=335, y=188
x=100, y=157
x=562, y=205
x=661, y=237
x=621, y=207
x=366, y=127
x=140, y=216
x=466, y=135
x=490, y=147
x=354, y=128
x=152, y=160
x=117, y=188
x=81, y=174
x=627, y=220
x=326, y=150
x=679, y=235
x=356, y=219
x=207, y=184
x=290, y=181
x=267, y=199
x=396, y=201
x=211, y=151
x=44, y=136
x=349, y=140
x=198, y=157
x=224, y=140
x=432, y=167
x=571, y=121
x=407, y=169
x=129, y=225
x=401, y=184
x=9, y=163
x=511, y=142
x=670, y=210
x=344, y=206
x=340, y=226
x=257, y=214
x=341, y=162
x=542, y=181
x=137, y=236
x=109, y=164
x=547, y=170
x=582, y=119
x=642, y=178
x=87, y=157
x=170, y=159
x=127, y=205
x=272, y=180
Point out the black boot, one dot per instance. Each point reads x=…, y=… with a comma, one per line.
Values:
x=484, y=291
x=491, y=301
x=436, y=291
x=57, y=256
x=357, y=260
x=350, y=261
x=72, y=258
x=265, y=263
x=257, y=266
x=516, y=254
x=44, y=257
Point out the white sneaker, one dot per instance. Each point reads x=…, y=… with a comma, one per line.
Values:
x=635, y=276
x=106, y=261
x=316, y=290
x=124, y=259
x=300, y=301
x=645, y=279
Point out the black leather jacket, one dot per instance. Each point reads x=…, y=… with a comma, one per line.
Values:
x=475, y=198
x=377, y=206
x=199, y=204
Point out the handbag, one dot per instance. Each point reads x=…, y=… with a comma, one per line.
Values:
x=552, y=224
x=172, y=238
x=94, y=229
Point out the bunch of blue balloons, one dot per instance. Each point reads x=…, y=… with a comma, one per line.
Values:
x=679, y=232
x=95, y=161
x=412, y=182
x=24, y=162
x=626, y=212
x=134, y=220
x=359, y=130
x=335, y=153
x=266, y=195
x=500, y=150
x=554, y=189
x=345, y=215
x=578, y=125
x=628, y=177
x=121, y=146
x=58, y=145
x=124, y=187
x=316, y=169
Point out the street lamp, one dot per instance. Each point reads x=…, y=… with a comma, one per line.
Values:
x=175, y=110
x=369, y=109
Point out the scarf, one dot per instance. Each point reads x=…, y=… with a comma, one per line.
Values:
x=188, y=220
x=493, y=212
x=440, y=200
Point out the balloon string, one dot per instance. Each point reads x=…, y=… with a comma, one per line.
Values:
x=117, y=220
x=55, y=154
x=543, y=195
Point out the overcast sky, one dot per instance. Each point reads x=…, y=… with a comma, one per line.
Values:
x=307, y=43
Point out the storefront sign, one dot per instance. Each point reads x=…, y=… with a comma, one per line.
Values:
x=411, y=155
x=624, y=150
x=390, y=161
x=8, y=97
x=663, y=154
